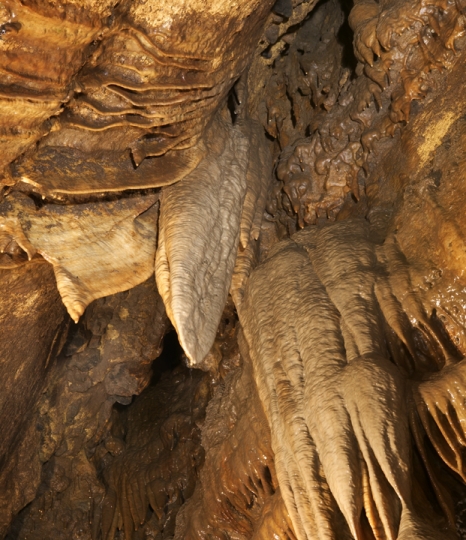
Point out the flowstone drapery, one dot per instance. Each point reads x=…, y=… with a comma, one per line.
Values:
x=293, y=175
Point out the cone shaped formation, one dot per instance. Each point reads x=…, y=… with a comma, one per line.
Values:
x=200, y=221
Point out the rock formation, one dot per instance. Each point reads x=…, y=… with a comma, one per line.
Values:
x=232, y=267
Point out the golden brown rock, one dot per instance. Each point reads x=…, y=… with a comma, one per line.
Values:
x=355, y=330
x=41, y=50
x=106, y=360
x=96, y=249
x=237, y=494
x=340, y=111
x=147, y=90
x=33, y=324
x=66, y=171
x=425, y=243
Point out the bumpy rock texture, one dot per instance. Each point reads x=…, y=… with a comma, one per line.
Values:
x=293, y=173
x=32, y=329
x=107, y=359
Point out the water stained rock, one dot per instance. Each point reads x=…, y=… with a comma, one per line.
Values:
x=293, y=174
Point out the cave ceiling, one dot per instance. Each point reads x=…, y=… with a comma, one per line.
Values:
x=233, y=269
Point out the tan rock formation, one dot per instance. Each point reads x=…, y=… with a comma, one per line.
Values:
x=195, y=140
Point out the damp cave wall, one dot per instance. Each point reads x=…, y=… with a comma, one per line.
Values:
x=70, y=454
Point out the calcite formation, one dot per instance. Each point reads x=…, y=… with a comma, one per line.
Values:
x=96, y=249
x=399, y=51
x=144, y=84
x=281, y=184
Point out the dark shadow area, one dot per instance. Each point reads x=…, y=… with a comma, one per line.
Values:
x=171, y=357
x=345, y=38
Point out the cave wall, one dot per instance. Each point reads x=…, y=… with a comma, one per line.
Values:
x=327, y=118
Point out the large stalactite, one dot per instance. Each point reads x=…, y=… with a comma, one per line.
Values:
x=282, y=185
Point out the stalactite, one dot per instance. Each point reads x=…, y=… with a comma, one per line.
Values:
x=169, y=137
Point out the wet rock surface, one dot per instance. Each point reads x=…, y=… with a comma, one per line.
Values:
x=178, y=138
x=107, y=359
x=33, y=326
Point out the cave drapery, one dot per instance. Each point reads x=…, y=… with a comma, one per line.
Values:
x=233, y=269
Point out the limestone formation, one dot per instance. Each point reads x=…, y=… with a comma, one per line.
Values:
x=253, y=213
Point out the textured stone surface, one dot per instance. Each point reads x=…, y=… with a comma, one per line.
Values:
x=237, y=494
x=106, y=360
x=343, y=416
x=32, y=327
